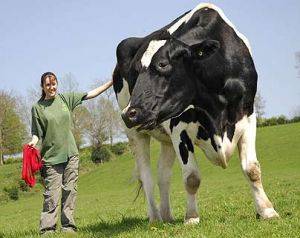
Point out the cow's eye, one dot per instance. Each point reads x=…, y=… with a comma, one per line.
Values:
x=162, y=65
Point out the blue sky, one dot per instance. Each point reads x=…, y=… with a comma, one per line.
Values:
x=81, y=37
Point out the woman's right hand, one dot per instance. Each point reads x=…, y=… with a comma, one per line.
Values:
x=32, y=144
x=33, y=141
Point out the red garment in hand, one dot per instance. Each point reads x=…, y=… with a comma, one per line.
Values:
x=31, y=164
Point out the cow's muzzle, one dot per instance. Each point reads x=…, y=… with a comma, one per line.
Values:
x=130, y=116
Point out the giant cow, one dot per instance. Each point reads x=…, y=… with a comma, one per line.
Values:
x=193, y=82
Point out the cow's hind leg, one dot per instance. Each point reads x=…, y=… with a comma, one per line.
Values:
x=184, y=148
x=165, y=164
x=140, y=146
x=252, y=171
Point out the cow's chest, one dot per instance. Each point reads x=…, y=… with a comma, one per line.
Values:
x=219, y=150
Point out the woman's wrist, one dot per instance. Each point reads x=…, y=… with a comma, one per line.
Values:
x=33, y=141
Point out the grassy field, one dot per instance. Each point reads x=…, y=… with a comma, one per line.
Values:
x=105, y=206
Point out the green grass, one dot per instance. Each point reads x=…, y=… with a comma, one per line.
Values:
x=105, y=206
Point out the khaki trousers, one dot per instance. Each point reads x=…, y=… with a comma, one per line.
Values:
x=60, y=182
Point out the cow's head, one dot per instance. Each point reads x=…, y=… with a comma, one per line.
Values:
x=166, y=84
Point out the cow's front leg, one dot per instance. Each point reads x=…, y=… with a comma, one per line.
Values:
x=183, y=144
x=140, y=146
x=252, y=171
x=165, y=164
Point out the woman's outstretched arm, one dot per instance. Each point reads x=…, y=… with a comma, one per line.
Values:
x=97, y=91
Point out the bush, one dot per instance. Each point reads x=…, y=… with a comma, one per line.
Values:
x=23, y=186
x=276, y=121
x=282, y=120
x=3, y=197
x=85, y=153
x=12, y=160
x=119, y=148
x=295, y=119
x=13, y=192
x=100, y=155
x=272, y=121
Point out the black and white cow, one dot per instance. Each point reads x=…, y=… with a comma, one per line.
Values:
x=192, y=82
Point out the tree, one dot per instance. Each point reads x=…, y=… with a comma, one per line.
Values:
x=12, y=129
x=23, y=107
x=68, y=83
x=259, y=105
x=112, y=115
x=80, y=115
x=104, y=120
x=96, y=129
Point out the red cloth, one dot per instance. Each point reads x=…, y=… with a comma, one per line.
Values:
x=31, y=164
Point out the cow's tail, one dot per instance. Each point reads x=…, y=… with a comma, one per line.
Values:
x=139, y=188
x=136, y=177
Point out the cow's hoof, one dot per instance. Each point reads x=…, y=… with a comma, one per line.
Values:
x=166, y=217
x=155, y=224
x=268, y=213
x=155, y=219
x=192, y=221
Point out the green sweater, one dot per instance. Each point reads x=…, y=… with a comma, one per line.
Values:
x=52, y=123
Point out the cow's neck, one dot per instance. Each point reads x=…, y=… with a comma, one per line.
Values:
x=214, y=106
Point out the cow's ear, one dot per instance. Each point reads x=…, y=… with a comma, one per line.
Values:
x=205, y=48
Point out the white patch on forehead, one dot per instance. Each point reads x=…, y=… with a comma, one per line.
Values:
x=183, y=19
x=126, y=108
x=153, y=47
x=221, y=13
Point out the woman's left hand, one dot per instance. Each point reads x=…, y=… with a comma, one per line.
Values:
x=99, y=90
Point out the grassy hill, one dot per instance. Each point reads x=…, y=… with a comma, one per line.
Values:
x=105, y=206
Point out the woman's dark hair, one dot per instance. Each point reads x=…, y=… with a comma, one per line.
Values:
x=43, y=78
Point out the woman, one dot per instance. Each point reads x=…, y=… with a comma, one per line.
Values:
x=51, y=126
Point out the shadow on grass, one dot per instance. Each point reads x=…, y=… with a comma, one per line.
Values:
x=113, y=228
x=13, y=234
x=126, y=224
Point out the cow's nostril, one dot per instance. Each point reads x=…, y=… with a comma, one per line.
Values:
x=132, y=113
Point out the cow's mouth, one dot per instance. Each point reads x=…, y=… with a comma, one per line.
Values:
x=152, y=124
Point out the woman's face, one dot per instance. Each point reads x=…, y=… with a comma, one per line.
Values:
x=50, y=87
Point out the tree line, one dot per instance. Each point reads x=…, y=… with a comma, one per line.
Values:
x=96, y=121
